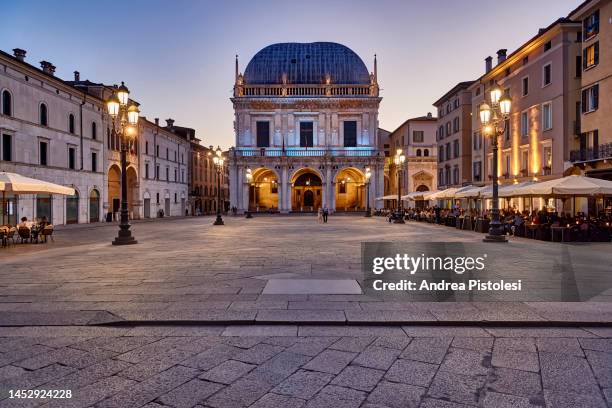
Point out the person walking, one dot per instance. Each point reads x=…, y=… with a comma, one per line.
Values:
x=325, y=215
x=320, y=216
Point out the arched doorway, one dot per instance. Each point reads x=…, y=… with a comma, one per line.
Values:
x=263, y=191
x=306, y=191
x=94, y=206
x=72, y=208
x=114, y=189
x=147, y=204
x=350, y=190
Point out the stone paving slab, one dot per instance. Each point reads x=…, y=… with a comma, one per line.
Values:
x=333, y=368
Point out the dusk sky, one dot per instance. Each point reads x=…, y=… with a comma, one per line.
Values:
x=177, y=57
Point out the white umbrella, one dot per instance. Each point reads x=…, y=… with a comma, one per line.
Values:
x=387, y=197
x=444, y=194
x=468, y=192
x=415, y=195
x=566, y=186
x=511, y=189
x=18, y=184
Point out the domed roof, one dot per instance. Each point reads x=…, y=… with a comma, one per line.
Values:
x=306, y=63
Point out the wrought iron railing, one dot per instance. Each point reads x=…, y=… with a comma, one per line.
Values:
x=603, y=151
x=304, y=152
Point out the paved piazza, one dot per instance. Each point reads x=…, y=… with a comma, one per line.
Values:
x=180, y=320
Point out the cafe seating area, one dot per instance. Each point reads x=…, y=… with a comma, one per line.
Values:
x=464, y=208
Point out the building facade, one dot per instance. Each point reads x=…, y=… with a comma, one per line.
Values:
x=592, y=151
x=306, y=121
x=542, y=77
x=53, y=132
x=205, y=181
x=454, y=136
x=58, y=131
x=416, y=138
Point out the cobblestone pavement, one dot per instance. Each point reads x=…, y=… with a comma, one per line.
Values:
x=189, y=270
x=309, y=366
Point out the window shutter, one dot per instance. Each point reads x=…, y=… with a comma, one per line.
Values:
x=596, y=53
x=596, y=144
x=584, y=100
x=584, y=58
x=595, y=97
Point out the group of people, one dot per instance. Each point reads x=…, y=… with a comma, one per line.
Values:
x=322, y=215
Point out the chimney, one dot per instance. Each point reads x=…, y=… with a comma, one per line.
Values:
x=19, y=53
x=488, y=64
x=501, y=55
x=428, y=115
x=156, y=121
x=77, y=76
x=47, y=67
x=169, y=123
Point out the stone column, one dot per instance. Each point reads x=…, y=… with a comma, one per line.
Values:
x=233, y=185
x=379, y=191
x=284, y=191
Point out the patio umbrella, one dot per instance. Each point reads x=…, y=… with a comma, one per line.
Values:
x=444, y=194
x=18, y=184
x=387, y=197
x=468, y=192
x=510, y=189
x=578, y=186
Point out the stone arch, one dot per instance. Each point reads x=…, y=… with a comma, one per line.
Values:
x=264, y=190
x=350, y=189
x=114, y=188
x=306, y=190
x=422, y=179
x=94, y=201
x=72, y=207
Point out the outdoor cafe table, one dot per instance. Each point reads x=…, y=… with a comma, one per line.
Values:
x=558, y=228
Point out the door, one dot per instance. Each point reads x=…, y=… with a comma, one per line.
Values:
x=72, y=209
x=147, y=208
x=167, y=207
x=182, y=206
x=308, y=198
x=94, y=206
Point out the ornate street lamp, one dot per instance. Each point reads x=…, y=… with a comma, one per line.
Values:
x=249, y=177
x=493, y=119
x=399, y=160
x=218, y=161
x=368, y=174
x=127, y=116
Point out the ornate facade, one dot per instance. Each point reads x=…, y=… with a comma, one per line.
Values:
x=306, y=121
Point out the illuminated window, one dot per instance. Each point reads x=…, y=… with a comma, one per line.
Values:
x=590, y=56
x=525, y=162
x=546, y=160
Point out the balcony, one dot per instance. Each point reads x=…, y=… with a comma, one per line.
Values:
x=305, y=152
x=600, y=152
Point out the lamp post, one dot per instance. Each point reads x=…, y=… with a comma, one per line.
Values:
x=368, y=174
x=493, y=120
x=218, y=161
x=249, y=177
x=399, y=160
x=127, y=116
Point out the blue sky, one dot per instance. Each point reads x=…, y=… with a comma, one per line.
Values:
x=177, y=57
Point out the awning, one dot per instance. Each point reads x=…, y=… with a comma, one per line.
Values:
x=18, y=184
x=444, y=194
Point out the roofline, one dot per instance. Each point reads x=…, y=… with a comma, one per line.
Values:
x=416, y=119
x=456, y=88
x=49, y=76
x=541, y=33
x=580, y=7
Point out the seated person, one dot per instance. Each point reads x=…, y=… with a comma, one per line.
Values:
x=24, y=223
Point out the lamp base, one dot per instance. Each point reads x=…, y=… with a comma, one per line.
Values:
x=219, y=221
x=495, y=238
x=248, y=215
x=124, y=241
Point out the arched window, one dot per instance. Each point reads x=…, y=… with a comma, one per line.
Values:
x=7, y=103
x=94, y=206
x=71, y=123
x=72, y=208
x=94, y=130
x=418, y=152
x=426, y=152
x=43, y=115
